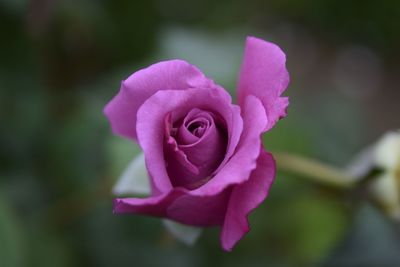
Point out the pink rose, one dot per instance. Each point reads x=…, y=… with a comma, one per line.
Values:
x=203, y=154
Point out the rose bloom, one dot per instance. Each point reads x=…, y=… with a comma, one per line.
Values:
x=381, y=163
x=386, y=187
x=204, y=155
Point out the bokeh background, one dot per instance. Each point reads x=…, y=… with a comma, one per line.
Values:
x=62, y=60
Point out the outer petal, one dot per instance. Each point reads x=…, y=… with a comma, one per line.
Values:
x=179, y=205
x=152, y=206
x=174, y=74
x=150, y=125
x=264, y=75
x=237, y=170
x=245, y=198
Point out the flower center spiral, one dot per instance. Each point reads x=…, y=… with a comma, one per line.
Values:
x=195, y=146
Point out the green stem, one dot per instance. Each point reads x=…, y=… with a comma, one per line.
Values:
x=314, y=170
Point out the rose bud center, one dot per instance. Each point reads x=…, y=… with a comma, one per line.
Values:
x=195, y=146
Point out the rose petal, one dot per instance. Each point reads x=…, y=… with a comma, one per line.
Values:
x=173, y=74
x=195, y=116
x=206, y=154
x=151, y=119
x=246, y=197
x=179, y=205
x=200, y=210
x=134, y=180
x=237, y=170
x=171, y=149
x=152, y=206
x=264, y=75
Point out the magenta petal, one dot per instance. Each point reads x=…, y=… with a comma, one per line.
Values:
x=200, y=210
x=180, y=206
x=152, y=206
x=207, y=154
x=151, y=124
x=174, y=74
x=245, y=198
x=203, y=118
x=238, y=168
x=264, y=75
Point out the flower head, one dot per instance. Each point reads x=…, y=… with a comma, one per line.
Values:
x=386, y=187
x=382, y=159
x=204, y=156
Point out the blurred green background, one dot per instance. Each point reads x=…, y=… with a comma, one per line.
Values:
x=61, y=61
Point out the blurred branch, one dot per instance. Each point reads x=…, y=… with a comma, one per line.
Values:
x=314, y=170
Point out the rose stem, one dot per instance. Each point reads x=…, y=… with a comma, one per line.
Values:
x=314, y=170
